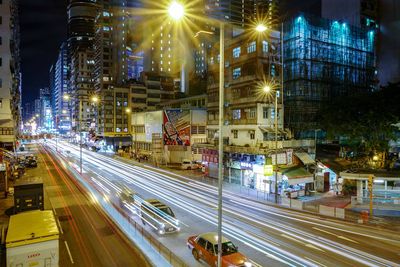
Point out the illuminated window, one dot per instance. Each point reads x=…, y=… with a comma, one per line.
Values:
x=236, y=52
x=265, y=46
x=236, y=73
x=236, y=114
x=251, y=47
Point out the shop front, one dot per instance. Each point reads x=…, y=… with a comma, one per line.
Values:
x=295, y=182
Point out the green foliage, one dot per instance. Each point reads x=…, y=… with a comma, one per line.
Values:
x=366, y=120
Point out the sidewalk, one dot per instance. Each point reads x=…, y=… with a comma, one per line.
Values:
x=327, y=199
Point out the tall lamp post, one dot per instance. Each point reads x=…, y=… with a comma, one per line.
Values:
x=268, y=90
x=177, y=11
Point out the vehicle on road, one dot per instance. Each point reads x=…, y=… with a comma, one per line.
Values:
x=32, y=239
x=189, y=165
x=205, y=247
x=159, y=216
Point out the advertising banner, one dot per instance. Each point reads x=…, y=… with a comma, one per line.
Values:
x=177, y=127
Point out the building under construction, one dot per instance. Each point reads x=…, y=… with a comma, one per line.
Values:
x=323, y=59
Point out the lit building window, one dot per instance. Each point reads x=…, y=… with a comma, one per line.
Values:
x=251, y=47
x=236, y=52
x=265, y=46
x=236, y=73
x=236, y=114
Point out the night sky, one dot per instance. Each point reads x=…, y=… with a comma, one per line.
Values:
x=43, y=29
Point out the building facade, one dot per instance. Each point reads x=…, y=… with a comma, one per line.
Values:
x=323, y=60
x=58, y=88
x=10, y=76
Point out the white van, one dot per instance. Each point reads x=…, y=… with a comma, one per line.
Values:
x=188, y=165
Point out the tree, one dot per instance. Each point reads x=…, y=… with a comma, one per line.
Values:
x=366, y=120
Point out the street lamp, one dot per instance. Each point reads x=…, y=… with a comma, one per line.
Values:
x=177, y=11
x=268, y=90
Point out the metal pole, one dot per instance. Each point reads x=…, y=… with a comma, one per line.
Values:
x=276, y=148
x=220, y=138
x=315, y=147
x=80, y=134
x=281, y=95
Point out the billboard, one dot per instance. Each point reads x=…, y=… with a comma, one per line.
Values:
x=176, y=127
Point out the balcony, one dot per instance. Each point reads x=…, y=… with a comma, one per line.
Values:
x=243, y=121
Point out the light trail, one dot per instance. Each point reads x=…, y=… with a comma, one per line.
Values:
x=172, y=189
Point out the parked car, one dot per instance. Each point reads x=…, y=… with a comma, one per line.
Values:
x=32, y=163
x=205, y=247
x=189, y=165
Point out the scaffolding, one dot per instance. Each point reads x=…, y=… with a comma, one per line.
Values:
x=323, y=59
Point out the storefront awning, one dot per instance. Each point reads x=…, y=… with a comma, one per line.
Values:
x=297, y=175
x=305, y=158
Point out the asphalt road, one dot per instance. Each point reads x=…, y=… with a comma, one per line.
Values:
x=268, y=235
x=88, y=237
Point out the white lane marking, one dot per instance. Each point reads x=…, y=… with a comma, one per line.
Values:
x=314, y=247
x=59, y=225
x=316, y=262
x=338, y=236
x=292, y=238
x=347, y=239
x=69, y=252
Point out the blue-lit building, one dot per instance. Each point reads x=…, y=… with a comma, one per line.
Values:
x=323, y=60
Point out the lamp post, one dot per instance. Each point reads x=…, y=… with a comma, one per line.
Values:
x=176, y=11
x=268, y=90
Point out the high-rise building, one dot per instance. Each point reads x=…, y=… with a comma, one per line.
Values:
x=110, y=58
x=81, y=87
x=10, y=76
x=58, y=88
x=45, y=113
x=323, y=59
x=81, y=17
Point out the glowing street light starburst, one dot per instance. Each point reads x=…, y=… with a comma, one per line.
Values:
x=176, y=11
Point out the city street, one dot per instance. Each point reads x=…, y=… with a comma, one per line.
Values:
x=268, y=235
x=88, y=238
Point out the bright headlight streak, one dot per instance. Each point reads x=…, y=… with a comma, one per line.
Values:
x=343, y=249
x=101, y=185
x=230, y=232
x=157, y=174
x=242, y=238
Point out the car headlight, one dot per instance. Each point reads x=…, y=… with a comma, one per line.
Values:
x=161, y=232
x=248, y=264
x=178, y=229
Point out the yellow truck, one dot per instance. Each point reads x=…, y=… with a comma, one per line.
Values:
x=32, y=240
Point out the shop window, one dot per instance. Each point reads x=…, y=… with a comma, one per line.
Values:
x=235, y=134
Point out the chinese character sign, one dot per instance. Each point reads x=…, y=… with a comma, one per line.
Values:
x=177, y=127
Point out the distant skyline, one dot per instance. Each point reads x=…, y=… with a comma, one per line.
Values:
x=43, y=29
